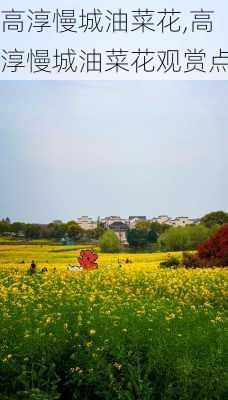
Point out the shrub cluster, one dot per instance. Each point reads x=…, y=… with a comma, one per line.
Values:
x=211, y=253
x=184, y=238
x=215, y=249
x=171, y=262
x=109, y=242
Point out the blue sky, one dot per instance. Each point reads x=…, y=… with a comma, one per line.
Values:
x=108, y=148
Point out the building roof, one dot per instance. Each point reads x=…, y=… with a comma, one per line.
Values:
x=137, y=217
x=119, y=226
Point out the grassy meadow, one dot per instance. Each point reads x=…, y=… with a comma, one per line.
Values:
x=132, y=332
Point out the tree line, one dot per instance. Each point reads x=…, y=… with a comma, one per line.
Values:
x=146, y=234
x=152, y=236
x=165, y=238
x=55, y=230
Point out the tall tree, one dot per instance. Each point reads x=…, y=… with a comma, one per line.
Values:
x=74, y=230
x=215, y=218
x=109, y=242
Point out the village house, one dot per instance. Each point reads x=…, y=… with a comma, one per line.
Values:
x=134, y=219
x=161, y=219
x=182, y=221
x=121, y=225
x=118, y=225
x=178, y=221
x=107, y=221
x=120, y=228
x=86, y=223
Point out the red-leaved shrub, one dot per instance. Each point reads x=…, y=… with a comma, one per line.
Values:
x=214, y=251
x=191, y=260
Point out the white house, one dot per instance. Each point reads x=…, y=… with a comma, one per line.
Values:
x=134, y=219
x=86, y=223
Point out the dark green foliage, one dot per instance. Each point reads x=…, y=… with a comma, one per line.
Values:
x=215, y=218
x=4, y=226
x=140, y=238
x=74, y=231
x=171, y=262
x=17, y=227
x=137, y=238
x=32, y=231
x=57, y=230
x=94, y=234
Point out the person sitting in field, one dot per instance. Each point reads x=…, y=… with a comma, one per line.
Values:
x=44, y=269
x=32, y=269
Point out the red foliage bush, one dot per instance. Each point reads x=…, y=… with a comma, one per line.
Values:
x=214, y=251
x=191, y=260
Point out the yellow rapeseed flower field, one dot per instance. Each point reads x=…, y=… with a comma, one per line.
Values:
x=124, y=331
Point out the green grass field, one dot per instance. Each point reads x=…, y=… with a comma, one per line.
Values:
x=131, y=332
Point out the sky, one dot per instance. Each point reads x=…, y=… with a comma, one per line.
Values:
x=112, y=148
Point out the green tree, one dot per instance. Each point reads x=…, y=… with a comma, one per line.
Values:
x=159, y=228
x=4, y=227
x=109, y=242
x=57, y=230
x=74, y=231
x=141, y=237
x=17, y=227
x=32, y=231
x=215, y=218
x=152, y=226
x=95, y=234
x=143, y=225
x=184, y=238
